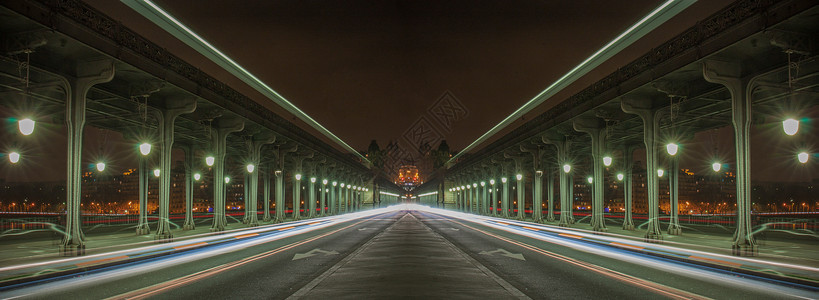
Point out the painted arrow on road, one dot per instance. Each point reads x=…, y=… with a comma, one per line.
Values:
x=503, y=252
x=313, y=253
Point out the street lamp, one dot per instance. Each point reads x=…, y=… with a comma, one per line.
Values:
x=210, y=160
x=491, y=181
x=197, y=176
x=227, y=180
x=607, y=161
x=802, y=157
x=660, y=172
x=790, y=126
x=590, y=179
x=145, y=148
x=672, y=148
x=567, y=168
x=620, y=176
x=26, y=126
x=335, y=183
x=503, y=179
x=519, y=177
x=716, y=166
x=298, y=176
x=312, y=180
x=156, y=172
x=14, y=157
x=324, y=181
x=251, y=168
x=483, y=183
x=100, y=166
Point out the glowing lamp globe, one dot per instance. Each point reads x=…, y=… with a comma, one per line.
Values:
x=503, y=179
x=100, y=166
x=660, y=172
x=312, y=180
x=672, y=148
x=483, y=183
x=802, y=157
x=607, y=161
x=227, y=180
x=156, y=172
x=14, y=157
x=620, y=176
x=324, y=182
x=716, y=166
x=251, y=168
x=145, y=148
x=567, y=168
x=519, y=176
x=790, y=126
x=590, y=179
x=335, y=183
x=298, y=176
x=197, y=176
x=491, y=181
x=26, y=126
x=210, y=160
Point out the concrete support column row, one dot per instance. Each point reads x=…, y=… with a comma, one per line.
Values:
x=730, y=75
x=646, y=109
x=172, y=108
x=223, y=127
x=598, y=141
x=87, y=75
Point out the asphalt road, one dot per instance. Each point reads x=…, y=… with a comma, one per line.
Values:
x=278, y=268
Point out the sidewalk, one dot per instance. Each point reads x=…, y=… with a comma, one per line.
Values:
x=41, y=248
x=718, y=240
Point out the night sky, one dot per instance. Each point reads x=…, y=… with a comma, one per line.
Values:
x=370, y=69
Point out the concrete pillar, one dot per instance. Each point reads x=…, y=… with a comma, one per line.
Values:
x=537, y=181
x=297, y=178
x=323, y=197
x=280, y=152
x=470, y=196
x=537, y=196
x=729, y=74
x=628, y=161
x=170, y=109
x=189, y=183
x=674, y=227
x=312, y=197
x=222, y=128
x=550, y=191
x=521, y=189
x=596, y=131
x=278, y=174
x=246, y=196
x=333, y=200
x=254, y=147
x=505, y=197
x=646, y=109
x=142, y=227
x=88, y=74
x=265, y=170
x=565, y=179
